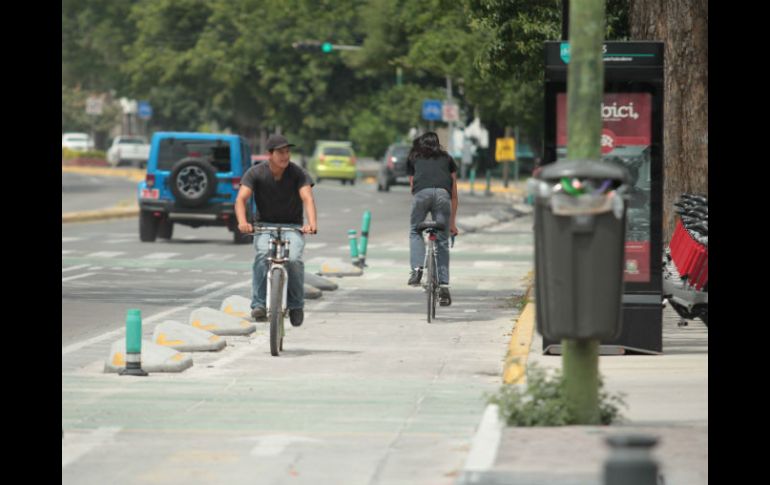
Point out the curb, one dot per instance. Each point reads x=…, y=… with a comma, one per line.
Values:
x=96, y=215
x=515, y=367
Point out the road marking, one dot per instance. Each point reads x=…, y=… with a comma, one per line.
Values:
x=209, y=286
x=214, y=257
x=315, y=245
x=160, y=256
x=71, y=268
x=77, y=277
x=104, y=254
x=485, y=442
x=273, y=445
x=158, y=316
x=76, y=445
x=70, y=239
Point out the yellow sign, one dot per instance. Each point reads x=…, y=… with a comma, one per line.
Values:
x=505, y=150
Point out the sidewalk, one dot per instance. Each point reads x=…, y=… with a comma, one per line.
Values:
x=666, y=397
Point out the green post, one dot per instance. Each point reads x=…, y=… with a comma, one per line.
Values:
x=133, y=344
x=367, y=220
x=353, y=247
x=585, y=87
x=473, y=179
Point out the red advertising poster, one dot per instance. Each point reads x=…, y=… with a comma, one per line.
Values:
x=626, y=135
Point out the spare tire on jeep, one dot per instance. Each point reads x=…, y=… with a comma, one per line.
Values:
x=193, y=181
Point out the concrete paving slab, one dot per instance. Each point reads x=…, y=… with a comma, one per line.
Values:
x=185, y=338
x=155, y=358
x=220, y=323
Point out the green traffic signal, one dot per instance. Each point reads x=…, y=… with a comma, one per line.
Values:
x=327, y=47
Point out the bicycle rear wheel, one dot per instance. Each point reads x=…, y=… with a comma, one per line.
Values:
x=431, y=284
x=276, y=311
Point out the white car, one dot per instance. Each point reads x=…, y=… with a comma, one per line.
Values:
x=128, y=150
x=80, y=142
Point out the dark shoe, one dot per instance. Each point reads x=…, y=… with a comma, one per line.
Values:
x=444, y=298
x=259, y=314
x=414, y=277
x=296, y=316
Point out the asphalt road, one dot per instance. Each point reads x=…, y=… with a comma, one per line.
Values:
x=81, y=192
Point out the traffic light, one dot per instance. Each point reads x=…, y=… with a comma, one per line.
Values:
x=307, y=45
x=313, y=46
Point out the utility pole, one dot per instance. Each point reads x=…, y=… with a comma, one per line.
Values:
x=585, y=86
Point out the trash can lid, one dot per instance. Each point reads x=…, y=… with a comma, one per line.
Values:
x=594, y=169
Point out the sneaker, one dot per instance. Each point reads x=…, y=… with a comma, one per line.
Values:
x=296, y=316
x=259, y=314
x=444, y=298
x=415, y=276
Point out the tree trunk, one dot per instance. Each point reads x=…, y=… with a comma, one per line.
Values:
x=683, y=27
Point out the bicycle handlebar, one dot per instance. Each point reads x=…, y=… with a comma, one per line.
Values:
x=264, y=229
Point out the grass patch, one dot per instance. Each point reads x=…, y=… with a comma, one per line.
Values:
x=542, y=402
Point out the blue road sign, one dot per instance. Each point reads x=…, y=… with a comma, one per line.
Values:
x=431, y=110
x=144, y=110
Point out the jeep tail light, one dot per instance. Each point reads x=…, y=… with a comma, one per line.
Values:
x=236, y=183
x=150, y=180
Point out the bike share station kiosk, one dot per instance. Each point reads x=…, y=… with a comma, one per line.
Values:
x=632, y=137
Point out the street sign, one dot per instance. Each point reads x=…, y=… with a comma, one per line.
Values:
x=144, y=110
x=505, y=150
x=94, y=105
x=450, y=112
x=431, y=110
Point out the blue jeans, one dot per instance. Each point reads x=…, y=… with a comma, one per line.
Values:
x=439, y=203
x=295, y=267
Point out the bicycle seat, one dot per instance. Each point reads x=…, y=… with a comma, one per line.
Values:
x=436, y=226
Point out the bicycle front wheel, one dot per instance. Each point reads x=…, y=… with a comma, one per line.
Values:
x=276, y=311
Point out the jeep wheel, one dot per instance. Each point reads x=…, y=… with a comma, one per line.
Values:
x=193, y=181
x=165, y=229
x=148, y=226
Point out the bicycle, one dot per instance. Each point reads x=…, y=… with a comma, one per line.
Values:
x=431, y=284
x=277, y=278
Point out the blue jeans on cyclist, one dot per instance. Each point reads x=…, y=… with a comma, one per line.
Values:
x=438, y=203
x=295, y=267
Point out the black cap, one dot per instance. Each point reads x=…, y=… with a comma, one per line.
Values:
x=277, y=141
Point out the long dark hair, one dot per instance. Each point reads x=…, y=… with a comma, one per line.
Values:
x=426, y=145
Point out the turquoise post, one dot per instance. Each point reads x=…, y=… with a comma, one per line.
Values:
x=365, y=223
x=353, y=247
x=133, y=344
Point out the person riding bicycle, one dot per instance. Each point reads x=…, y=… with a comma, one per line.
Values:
x=280, y=189
x=433, y=179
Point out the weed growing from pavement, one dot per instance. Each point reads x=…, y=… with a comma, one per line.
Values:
x=542, y=402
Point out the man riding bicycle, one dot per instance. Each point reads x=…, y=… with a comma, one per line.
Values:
x=280, y=189
x=433, y=178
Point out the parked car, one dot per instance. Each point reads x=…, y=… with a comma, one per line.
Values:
x=128, y=150
x=262, y=157
x=333, y=160
x=393, y=167
x=80, y=142
x=192, y=179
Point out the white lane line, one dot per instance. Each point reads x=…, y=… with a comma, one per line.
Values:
x=315, y=245
x=72, y=268
x=70, y=239
x=214, y=257
x=209, y=286
x=274, y=444
x=76, y=445
x=158, y=316
x=160, y=255
x=76, y=277
x=105, y=254
x=485, y=442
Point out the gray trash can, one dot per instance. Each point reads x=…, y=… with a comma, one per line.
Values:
x=579, y=249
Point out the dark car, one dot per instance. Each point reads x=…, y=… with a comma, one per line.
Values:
x=393, y=169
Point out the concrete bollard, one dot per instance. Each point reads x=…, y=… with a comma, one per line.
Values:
x=365, y=223
x=133, y=344
x=354, y=258
x=630, y=462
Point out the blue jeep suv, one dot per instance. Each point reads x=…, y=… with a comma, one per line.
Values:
x=192, y=179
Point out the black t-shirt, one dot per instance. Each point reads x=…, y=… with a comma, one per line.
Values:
x=432, y=173
x=278, y=201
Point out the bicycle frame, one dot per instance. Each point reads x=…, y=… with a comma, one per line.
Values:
x=278, y=255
